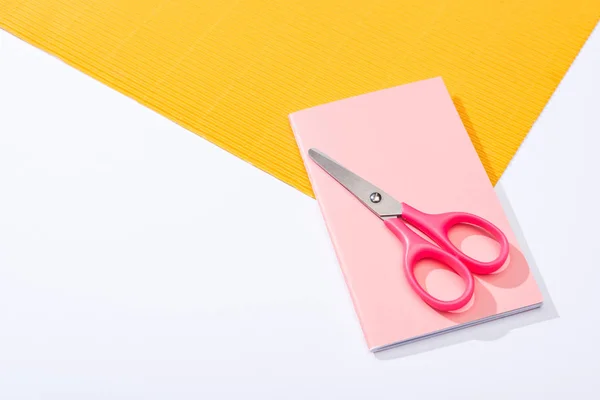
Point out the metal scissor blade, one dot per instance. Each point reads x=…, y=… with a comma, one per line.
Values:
x=378, y=201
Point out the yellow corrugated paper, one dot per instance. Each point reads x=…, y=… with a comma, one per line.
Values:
x=232, y=70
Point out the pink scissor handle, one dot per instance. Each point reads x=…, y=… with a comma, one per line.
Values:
x=437, y=227
x=417, y=249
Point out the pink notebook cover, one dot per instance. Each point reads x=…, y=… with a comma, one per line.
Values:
x=410, y=142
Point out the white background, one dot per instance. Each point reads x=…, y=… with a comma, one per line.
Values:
x=138, y=261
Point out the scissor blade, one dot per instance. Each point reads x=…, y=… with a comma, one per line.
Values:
x=375, y=199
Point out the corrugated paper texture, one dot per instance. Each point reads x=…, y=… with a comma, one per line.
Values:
x=232, y=70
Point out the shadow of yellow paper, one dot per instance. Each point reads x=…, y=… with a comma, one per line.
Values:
x=232, y=70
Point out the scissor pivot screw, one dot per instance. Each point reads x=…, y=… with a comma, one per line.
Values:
x=375, y=197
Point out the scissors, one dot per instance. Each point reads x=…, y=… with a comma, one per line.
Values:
x=396, y=215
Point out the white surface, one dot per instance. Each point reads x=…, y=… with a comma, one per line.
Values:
x=138, y=261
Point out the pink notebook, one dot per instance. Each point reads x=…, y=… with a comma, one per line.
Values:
x=410, y=142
